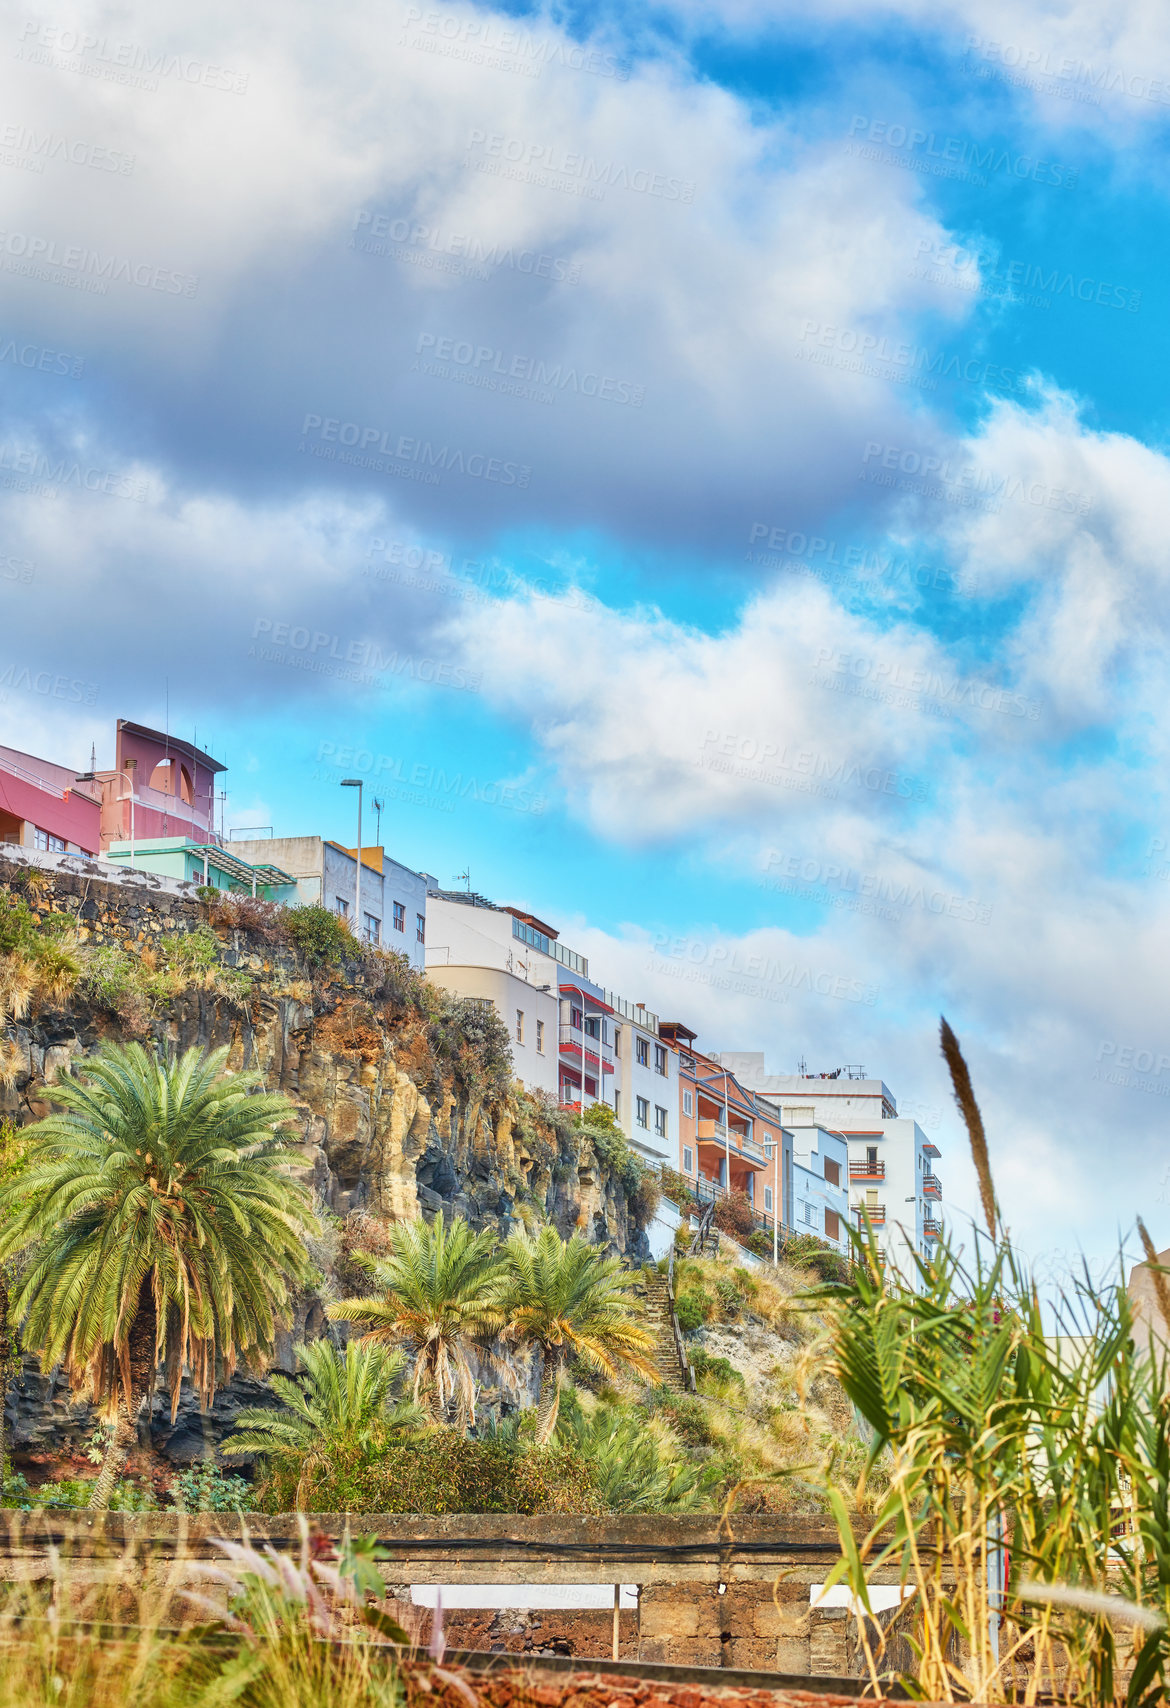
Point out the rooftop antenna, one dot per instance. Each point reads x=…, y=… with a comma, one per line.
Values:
x=464, y=878
x=802, y=1068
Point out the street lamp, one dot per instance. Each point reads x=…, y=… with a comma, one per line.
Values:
x=356, y=783
x=92, y=777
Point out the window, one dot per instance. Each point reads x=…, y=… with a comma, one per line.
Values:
x=593, y=1027
x=540, y=1037
x=768, y=1146
x=52, y=844
x=832, y=1225
x=399, y=916
x=832, y=1172
x=519, y=1025
x=342, y=906
x=643, y=1111
x=871, y=1158
x=688, y=1102
x=642, y=1052
x=688, y=1160
x=660, y=1058
x=373, y=928
x=420, y=928
x=767, y=1198
x=810, y=1215
x=660, y=1120
x=575, y=1019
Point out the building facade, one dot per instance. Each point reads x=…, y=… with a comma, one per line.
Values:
x=732, y=1139
x=43, y=805
x=391, y=909
x=892, y=1182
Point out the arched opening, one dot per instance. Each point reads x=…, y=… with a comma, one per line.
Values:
x=169, y=777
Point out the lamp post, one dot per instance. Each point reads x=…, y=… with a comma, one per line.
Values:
x=356, y=783
x=92, y=777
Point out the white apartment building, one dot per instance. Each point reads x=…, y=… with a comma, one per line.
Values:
x=473, y=952
x=891, y=1160
x=570, y=1037
x=647, y=1096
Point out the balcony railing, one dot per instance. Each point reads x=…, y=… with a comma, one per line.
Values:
x=862, y=1169
x=716, y=1131
x=572, y=1044
x=932, y=1186
x=931, y=1229
x=875, y=1212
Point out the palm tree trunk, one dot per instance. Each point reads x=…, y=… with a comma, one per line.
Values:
x=549, y=1404
x=142, y=1347
x=125, y=1430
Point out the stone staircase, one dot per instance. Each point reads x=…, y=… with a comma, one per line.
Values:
x=659, y=1308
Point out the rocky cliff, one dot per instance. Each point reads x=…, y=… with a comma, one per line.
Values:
x=404, y=1094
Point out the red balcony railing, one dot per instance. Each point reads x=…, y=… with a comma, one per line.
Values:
x=931, y=1229
x=875, y=1212
x=860, y=1168
x=932, y=1186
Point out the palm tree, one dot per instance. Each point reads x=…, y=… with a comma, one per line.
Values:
x=442, y=1290
x=568, y=1297
x=160, y=1220
x=345, y=1401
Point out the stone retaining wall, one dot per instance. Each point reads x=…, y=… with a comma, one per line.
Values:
x=710, y=1594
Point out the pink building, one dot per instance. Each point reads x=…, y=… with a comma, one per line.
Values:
x=159, y=787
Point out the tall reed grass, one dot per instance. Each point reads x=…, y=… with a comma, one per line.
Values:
x=1024, y=1449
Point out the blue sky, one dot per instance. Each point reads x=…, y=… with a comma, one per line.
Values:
x=728, y=448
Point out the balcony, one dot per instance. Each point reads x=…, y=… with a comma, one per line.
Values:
x=930, y=1149
x=931, y=1229
x=875, y=1212
x=571, y=1046
x=861, y=1169
x=931, y=1186
x=715, y=1133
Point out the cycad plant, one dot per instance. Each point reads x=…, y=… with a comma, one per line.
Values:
x=160, y=1220
x=1026, y=1444
x=631, y=1465
x=440, y=1294
x=343, y=1403
x=571, y=1300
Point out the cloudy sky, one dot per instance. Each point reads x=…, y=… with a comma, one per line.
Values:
x=704, y=463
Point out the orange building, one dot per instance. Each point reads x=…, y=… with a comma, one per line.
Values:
x=730, y=1139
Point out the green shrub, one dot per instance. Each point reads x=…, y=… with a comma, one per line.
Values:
x=719, y=1369
x=320, y=936
x=693, y=1308
x=205, y=1488
x=809, y=1252
x=441, y=1471
x=677, y=1188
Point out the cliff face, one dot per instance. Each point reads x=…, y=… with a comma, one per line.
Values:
x=404, y=1100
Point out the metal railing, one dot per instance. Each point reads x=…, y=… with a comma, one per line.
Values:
x=931, y=1228
x=932, y=1186
x=863, y=1169
x=875, y=1212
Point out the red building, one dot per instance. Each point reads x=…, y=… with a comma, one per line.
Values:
x=42, y=805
